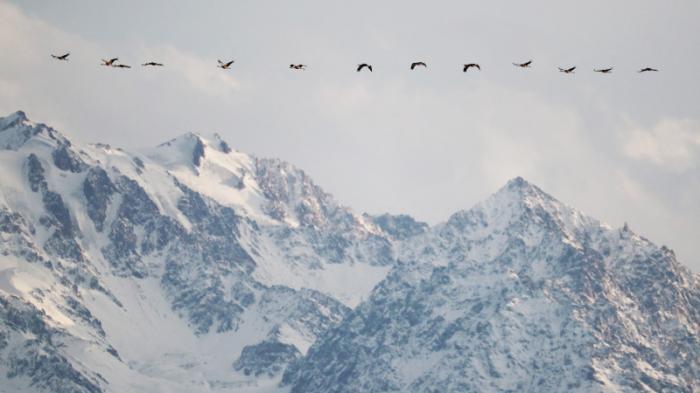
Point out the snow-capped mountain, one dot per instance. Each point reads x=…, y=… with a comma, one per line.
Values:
x=186, y=267
x=519, y=294
x=192, y=267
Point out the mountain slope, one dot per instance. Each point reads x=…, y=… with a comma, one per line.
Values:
x=164, y=270
x=520, y=293
x=193, y=267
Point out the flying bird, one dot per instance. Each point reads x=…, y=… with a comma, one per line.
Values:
x=297, y=66
x=110, y=62
x=418, y=63
x=121, y=66
x=364, y=65
x=61, y=57
x=567, y=70
x=648, y=69
x=523, y=65
x=604, y=70
x=471, y=65
x=225, y=66
x=153, y=64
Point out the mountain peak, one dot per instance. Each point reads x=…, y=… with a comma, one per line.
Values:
x=523, y=190
x=16, y=129
x=520, y=209
x=13, y=120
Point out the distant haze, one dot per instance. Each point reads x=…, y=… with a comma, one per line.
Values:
x=620, y=147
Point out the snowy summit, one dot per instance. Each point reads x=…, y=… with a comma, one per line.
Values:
x=192, y=267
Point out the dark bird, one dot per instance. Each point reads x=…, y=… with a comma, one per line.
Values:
x=61, y=57
x=418, y=63
x=153, y=64
x=364, y=65
x=471, y=65
x=297, y=66
x=567, y=70
x=648, y=69
x=523, y=65
x=225, y=66
x=110, y=62
x=121, y=66
x=604, y=70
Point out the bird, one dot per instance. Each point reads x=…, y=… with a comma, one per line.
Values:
x=297, y=66
x=466, y=67
x=152, y=63
x=648, y=69
x=121, y=66
x=523, y=65
x=604, y=70
x=567, y=70
x=61, y=57
x=418, y=63
x=110, y=62
x=225, y=66
x=364, y=65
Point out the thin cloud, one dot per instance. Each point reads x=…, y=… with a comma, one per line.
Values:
x=670, y=143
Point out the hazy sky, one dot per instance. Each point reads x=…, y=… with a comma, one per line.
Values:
x=620, y=147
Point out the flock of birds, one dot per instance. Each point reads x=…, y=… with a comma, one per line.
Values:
x=113, y=62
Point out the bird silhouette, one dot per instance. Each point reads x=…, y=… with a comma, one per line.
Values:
x=418, y=63
x=648, y=69
x=297, y=66
x=567, y=70
x=61, y=57
x=121, y=66
x=225, y=66
x=152, y=64
x=466, y=67
x=526, y=64
x=604, y=70
x=110, y=62
x=364, y=65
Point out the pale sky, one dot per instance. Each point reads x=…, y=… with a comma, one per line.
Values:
x=620, y=147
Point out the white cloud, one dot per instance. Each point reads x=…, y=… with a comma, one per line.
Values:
x=670, y=143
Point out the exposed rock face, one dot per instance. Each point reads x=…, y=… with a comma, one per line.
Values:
x=108, y=248
x=520, y=293
x=98, y=190
x=194, y=267
x=266, y=358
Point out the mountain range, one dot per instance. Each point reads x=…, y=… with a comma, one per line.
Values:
x=192, y=267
